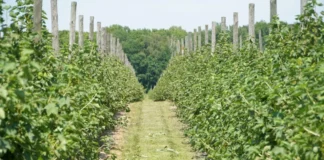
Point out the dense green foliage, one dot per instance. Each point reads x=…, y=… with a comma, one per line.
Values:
x=56, y=107
x=149, y=50
x=252, y=105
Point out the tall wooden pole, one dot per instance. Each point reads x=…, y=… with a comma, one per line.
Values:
x=273, y=9
x=111, y=44
x=251, y=21
x=114, y=45
x=235, y=31
x=302, y=5
x=81, y=31
x=103, y=41
x=98, y=35
x=91, y=28
x=182, y=46
x=213, y=40
x=224, y=28
x=55, y=31
x=117, y=53
x=108, y=44
x=195, y=40
x=178, y=47
x=187, y=44
x=199, y=37
x=260, y=41
x=190, y=42
x=241, y=42
x=206, y=34
x=37, y=19
x=72, y=24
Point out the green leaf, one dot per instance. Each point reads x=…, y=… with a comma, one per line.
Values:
x=3, y=92
x=51, y=109
x=2, y=113
x=9, y=67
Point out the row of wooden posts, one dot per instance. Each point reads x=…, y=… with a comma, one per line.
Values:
x=192, y=43
x=108, y=45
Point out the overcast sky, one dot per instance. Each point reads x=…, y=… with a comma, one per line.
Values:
x=166, y=13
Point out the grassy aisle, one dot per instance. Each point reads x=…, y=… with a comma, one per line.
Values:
x=154, y=133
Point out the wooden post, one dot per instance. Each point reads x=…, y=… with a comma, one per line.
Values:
x=187, y=44
x=111, y=44
x=123, y=53
x=108, y=44
x=103, y=41
x=206, y=34
x=178, y=47
x=260, y=41
x=114, y=46
x=124, y=57
x=273, y=9
x=117, y=49
x=55, y=32
x=190, y=42
x=98, y=35
x=213, y=37
x=199, y=37
x=251, y=21
x=235, y=31
x=302, y=5
x=81, y=31
x=195, y=40
x=72, y=24
x=224, y=28
x=241, y=42
x=91, y=28
x=182, y=46
x=37, y=20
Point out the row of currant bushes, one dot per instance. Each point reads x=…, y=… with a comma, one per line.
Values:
x=57, y=107
x=253, y=105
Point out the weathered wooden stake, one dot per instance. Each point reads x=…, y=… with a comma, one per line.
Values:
x=260, y=41
x=55, y=32
x=111, y=44
x=206, y=34
x=37, y=20
x=98, y=35
x=114, y=46
x=273, y=9
x=195, y=40
x=178, y=47
x=241, y=42
x=72, y=24
x=81, y=31
x=251, y=21
x=235, y=31
x=182, y=46
x=117, y=53
x=190, y=42
x=103, y=41
x=302, y=5
x=199, y=37
x=224, y=28
x=187, y=44
x=108, y=44
x=213, y=37
x=91, y=28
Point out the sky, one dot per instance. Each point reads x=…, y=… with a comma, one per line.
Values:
x=157, y=14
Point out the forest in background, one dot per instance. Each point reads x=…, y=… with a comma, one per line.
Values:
x=149, y=51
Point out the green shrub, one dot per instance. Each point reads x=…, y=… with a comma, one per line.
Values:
x=253, y=105
x=57, y=107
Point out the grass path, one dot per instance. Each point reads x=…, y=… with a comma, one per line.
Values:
x=153, y=133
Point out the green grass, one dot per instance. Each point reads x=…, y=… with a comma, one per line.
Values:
x=154, y=133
